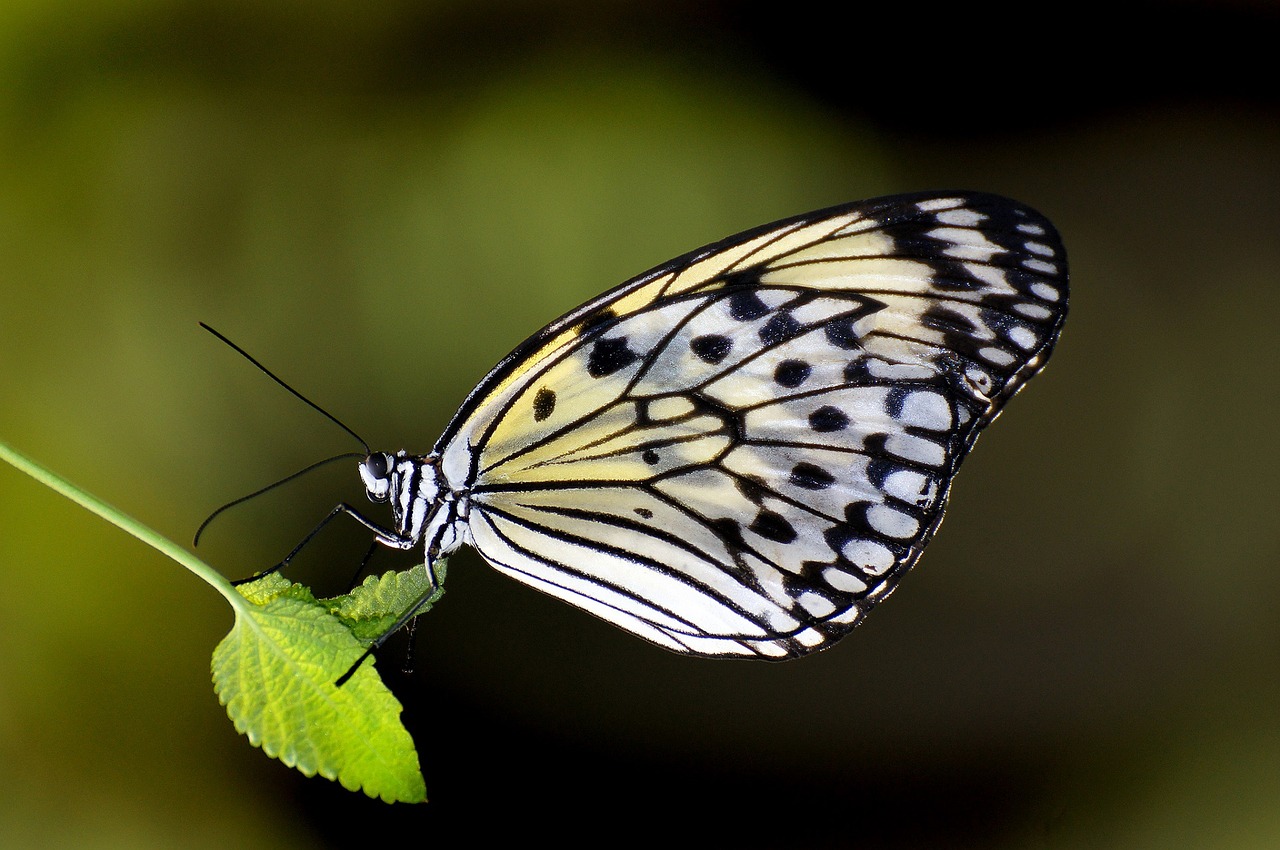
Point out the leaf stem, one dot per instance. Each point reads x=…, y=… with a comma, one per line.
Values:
x=124, y=522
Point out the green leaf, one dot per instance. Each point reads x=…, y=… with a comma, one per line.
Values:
x=375, y=606
x=275, y=670
x=275, y=673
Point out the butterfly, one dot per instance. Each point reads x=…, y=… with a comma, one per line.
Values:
x=743, y=450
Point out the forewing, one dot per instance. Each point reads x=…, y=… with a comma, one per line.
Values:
x=743, y=450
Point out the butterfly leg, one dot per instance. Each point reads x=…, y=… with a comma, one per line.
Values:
x=406, y=619
x=364, y=562
x=382, y=535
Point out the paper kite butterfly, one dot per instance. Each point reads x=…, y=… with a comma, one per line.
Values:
x=743, y=450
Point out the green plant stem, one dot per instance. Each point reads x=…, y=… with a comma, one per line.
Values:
x=124, y=522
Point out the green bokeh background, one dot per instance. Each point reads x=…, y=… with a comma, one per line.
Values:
x=380, y=203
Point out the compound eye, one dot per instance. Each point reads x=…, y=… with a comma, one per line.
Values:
x=376, y=472
x=377, y=465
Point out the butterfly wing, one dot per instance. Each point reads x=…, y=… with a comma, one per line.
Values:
x=741, y=451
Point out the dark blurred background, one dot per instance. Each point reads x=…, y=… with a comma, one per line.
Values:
x=381, y=200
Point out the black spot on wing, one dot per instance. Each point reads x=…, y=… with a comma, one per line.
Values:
x=609, y=356
x=544, y=403
x=841, y=334
x=791, y=373
x=856, y=372
x=780, y=328
x=751, y=489
x=855, y=514
x=940, y=318
x=876, y=444
x=856, y=526
x=711, y=348
x=773, y=526
x=827, y=418
x=730, y=532
x=838, y=535
x=811, y=477
x=745, y=306
x=880, y=469
x=895, y=399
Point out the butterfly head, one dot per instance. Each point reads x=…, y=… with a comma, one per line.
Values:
x=377, y=471
x=411, y=483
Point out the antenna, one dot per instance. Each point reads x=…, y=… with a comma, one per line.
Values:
x=326, y=414
x=269, y=487
x=272, y=375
